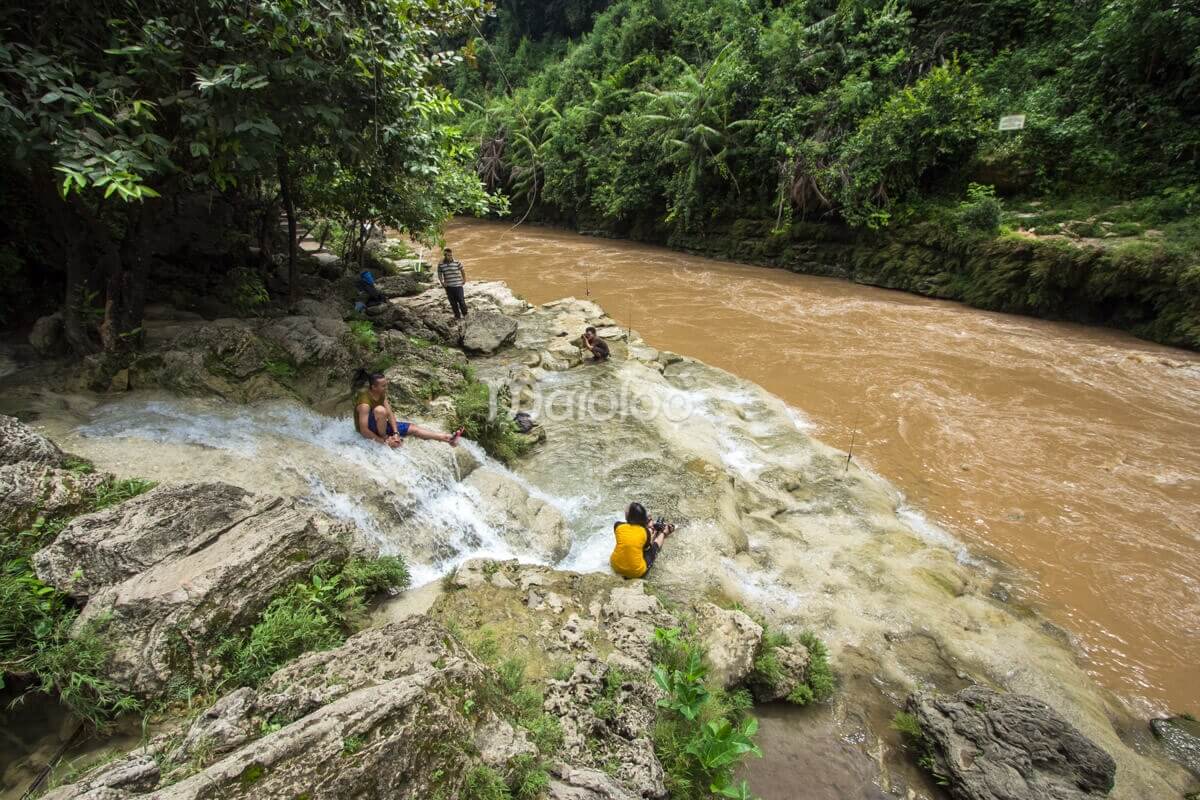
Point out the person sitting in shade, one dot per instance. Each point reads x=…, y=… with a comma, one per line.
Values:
x=375, y=420
x=595, y=345
x=638, y=542
x=453, y=278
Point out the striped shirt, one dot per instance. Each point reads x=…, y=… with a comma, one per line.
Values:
x=451, y=273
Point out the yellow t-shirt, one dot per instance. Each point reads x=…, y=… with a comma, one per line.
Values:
x=360, y=398
x=627, y=558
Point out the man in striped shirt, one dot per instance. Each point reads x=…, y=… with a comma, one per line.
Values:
x=452, y=278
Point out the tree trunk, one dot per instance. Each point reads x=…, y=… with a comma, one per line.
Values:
x=125, y=301
x=289, y=208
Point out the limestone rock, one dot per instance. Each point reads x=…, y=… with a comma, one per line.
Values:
x=993, y=746
x=309, y=340
x=111, y=546
x=46, y=336
x=581, y=783
x=19, y=442
x=487, y=332
x=731, y=640
x=527, y=523
x=406, y=284
x=310, y=307
x=498, y=742
x=168, y=573
x=566, y=350
x=28, y=491
x=382, y=716
x=793, y=660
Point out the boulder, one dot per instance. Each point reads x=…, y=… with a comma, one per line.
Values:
x=381, y=716
x=731, y=640
x=311, y=340
x=20, y=443
x=309, y=307
x=29, y=491
x=329, y=266
x=792, y=660
x=405, y=284
x=566, y=350
x=46, y=336
x=987, y=745
x=486, y=332
x=170, y=572
x=1181, y=739
x=581, y=783
x=528, y=524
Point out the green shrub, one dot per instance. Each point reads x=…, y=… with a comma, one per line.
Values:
x=821, y=682
x=314, y=615
x=701, y=735
x=484, y=783
x=494, y=432
x=363, y=334
x=36, y=629
x=279, y=369
x=981, y=210
x=246, y=289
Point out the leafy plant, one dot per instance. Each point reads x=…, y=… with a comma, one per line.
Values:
x=981, y=210
x=487, y=420
x=363, y=334
x=314, y=615
x=685, y=689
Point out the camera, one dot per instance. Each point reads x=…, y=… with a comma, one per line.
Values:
x=660, y=525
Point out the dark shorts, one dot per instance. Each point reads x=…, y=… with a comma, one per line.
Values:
x=375, y=430
x=649, y=553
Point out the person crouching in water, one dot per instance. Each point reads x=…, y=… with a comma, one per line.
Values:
x=595, y=345
x=638, y=542
x=375, y=420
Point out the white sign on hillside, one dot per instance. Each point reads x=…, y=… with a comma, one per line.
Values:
x=1012, y=122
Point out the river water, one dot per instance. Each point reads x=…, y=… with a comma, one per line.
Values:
x=1071, y=453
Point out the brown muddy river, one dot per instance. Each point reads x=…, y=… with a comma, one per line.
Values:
x=1069, y=452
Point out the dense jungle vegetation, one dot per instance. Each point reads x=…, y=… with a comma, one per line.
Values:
x=154, y=146
x=861, y=138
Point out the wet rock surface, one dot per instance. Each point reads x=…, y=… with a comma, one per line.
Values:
x=991, y=746
x=1181, y=738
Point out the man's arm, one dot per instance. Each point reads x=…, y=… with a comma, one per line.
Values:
x=441, y=282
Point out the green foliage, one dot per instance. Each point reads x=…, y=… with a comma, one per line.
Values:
x=488, y=422
x=685, y=691
x=484, y=783
x=702, y=735
x=37, y=637
x=981, y=210
x=314, y=615
x=279, y=369
x=907, y=725
x=821, y=682
x=246, y=289
x=118, y=490
x=363, y=333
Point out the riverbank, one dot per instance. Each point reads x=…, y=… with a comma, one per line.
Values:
x=773, y=519
x=1140, y=284
x=1066, y=451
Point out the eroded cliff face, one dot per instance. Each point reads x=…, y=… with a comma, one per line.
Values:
x=770, y=518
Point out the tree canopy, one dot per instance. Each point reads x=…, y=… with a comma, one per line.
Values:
x=112, y=110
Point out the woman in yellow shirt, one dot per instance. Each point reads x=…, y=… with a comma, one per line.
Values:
x=636, y=547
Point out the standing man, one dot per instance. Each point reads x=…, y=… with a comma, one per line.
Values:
x=452, y=278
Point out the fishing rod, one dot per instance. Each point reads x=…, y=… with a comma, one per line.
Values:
x=853, y=434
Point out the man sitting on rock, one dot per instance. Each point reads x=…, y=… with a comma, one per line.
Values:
x=595, y=345
x=638, y=542
x=453, y=279
x=375, y=420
